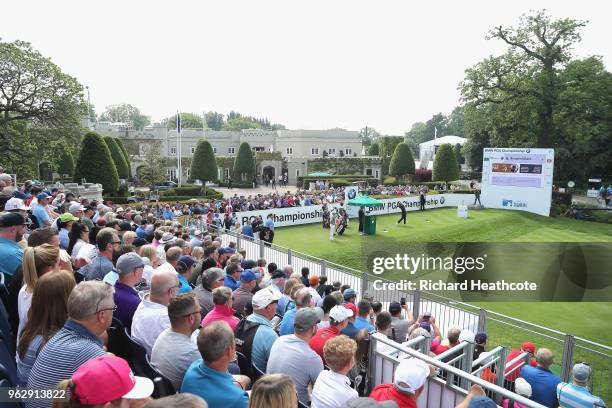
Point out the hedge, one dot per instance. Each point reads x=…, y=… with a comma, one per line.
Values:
x=304, y=180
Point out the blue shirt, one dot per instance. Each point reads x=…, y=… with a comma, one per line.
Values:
x=63, y=354
x=41, y=215
x=185, y=287
x=270, y=224
x=168, y=215
x=141, y=232
x=350, y=330
x=262, y=342
x=231, y=283
x=63, y=238
x=217, y=388
x=247, y=230
x=286, y=326
x=11, y=256
x=98, y=268
x=363, y=323
x=543, y=385
x=575, y=396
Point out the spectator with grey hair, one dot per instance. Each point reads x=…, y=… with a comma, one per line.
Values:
x=107, y=241
x=151, y=316
x=90, y=313
x=208, y=377
x=303, y=299
x=212, y=278
x=543, y=382
x=173, y=254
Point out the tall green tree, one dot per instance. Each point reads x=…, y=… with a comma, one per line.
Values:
x=368, y=135
x=387, y=146
x=204, y=164
x=39, y=104
x=118, y=157
x=244, y=164
x=402, y=162
x=125, y=113
x=152, y=170
x=126, y=156
x=215, y=120
x=65, y=163
x=188, y=121
x=374, y=150
x=445, y=166
x=528, y=73
x=458, y=154
x=95, y=164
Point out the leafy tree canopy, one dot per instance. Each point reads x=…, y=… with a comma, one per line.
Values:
x=125, y=113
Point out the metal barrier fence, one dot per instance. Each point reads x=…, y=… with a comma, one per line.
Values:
x=500, y=329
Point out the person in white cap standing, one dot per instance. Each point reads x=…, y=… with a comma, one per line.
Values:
x=410, y=378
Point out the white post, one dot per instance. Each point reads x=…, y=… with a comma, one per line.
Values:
x=178, y=128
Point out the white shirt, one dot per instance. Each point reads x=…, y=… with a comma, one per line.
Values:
x=77, y=247
x=24, y=301
x=315, y=295
x=332, y=390
x=150, y=319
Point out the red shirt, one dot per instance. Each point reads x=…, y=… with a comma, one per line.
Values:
x=388, y=392
x=440, y=349
x=320, y=338
x=516, y=373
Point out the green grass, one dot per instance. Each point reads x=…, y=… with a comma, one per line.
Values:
x=587, y=319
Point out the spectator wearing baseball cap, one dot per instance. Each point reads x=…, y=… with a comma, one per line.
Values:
x=543, y=382
x=184, y=267
x=522, y=388
x=512, y=373
x=577, y=393
x=75, y=208
x=40, y=210
x=12, y=228
x=103, y=380
x=196, y=241
x=64, y=225
x=130, y=268
x=350, y=329
x=243, y=295
x=338, y=320
x=291, y=354
x=264, y=308
x=409, y=381
x=333, y=387
x=400, y=326
x=16, y=205
x=480, y=341
x=349, y=295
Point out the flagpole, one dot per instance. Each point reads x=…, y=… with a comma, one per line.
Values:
x=178, y=128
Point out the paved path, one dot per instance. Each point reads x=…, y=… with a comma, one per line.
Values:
x=261, y=189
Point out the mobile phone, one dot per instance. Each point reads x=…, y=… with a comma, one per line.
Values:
x=426, y=316
x=403, y=301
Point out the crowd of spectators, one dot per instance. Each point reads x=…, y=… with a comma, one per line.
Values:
x=231, y=330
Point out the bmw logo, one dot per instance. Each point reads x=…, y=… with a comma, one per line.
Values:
x=352, y=194
x=528, y=150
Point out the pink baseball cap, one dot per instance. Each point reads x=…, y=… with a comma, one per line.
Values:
x=107, y=378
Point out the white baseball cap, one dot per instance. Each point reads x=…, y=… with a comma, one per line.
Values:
x=15, y=203
x=466, y=336
x=522, y=387
x=75, y=206
x=263, y=297
x=410, y=375
x=340, y=313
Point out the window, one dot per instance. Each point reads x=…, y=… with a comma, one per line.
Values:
x=289, y=151
x=377, y=174
x=173, y=151
x=192, y=149
x=368, y=172
x=231, y=150
x=259, y=149
x=314, y=151
x=214, y=150
x=348, y=151
x=297, y=172
x=331, y=151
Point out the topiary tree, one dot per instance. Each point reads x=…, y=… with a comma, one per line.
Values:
x=374, y=150
x=445, y=167
x=95, y=163
x=458, y=155
x=204, y=164
x=65, y=163
x=402, y=162
x=118, y=158
x=244, y=164
x=125, y=155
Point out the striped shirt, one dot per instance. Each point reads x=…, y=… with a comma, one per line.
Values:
x=575, y=396
x=63, y=354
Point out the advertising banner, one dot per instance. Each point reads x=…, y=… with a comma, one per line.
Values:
x=518, y=179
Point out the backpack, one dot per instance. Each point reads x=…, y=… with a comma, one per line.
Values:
x=244, y=335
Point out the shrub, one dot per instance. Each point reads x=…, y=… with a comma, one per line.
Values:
x=402, y=162
x=339, y=182
x=445, y=165
x=188, y=191
x=204, y=165
x=118, y=157
x=389, y=181
x=95, y=164
x=244, y=164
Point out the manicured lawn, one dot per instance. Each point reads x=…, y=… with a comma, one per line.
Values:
x=584, y=319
